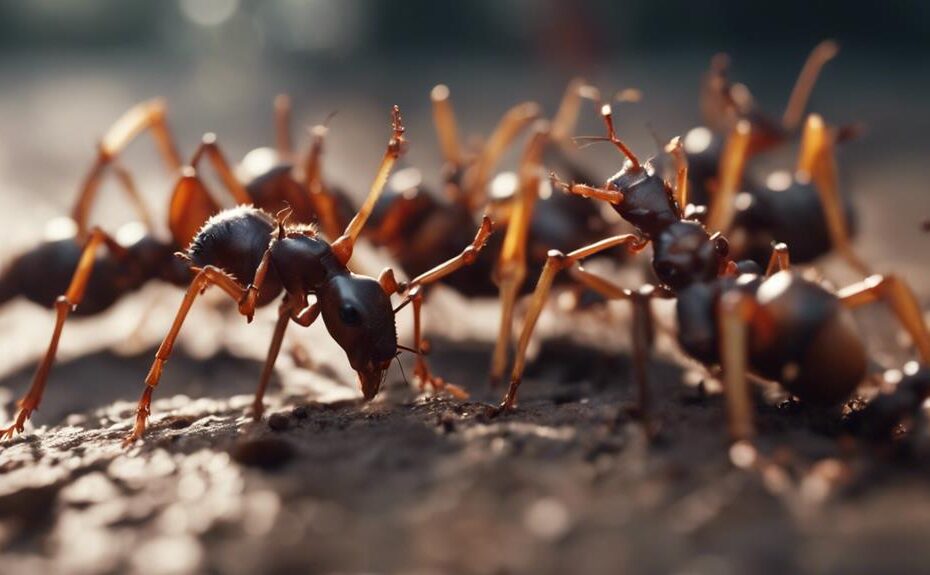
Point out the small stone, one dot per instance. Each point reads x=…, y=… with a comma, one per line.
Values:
x=278, y=422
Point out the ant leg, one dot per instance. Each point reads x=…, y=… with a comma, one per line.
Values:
x=64, y=305
x=514, y=121
x=146, y=115
x=323, y=203
x=282, y=123
x=512, y=260
x=211, y=148
x=555, y=262
x=779, y=260
x=722, y=206
x=735, y=309
x=804, y=85
x=80, y=213
x=344, y=245
x=643, y=331
x=817, y=161
x=205, y=277
x=677, y=151
x=422, y=371
x=415, y=296
x=445, y=124
x=566, y=118
x=286, y=313
x=900, y=297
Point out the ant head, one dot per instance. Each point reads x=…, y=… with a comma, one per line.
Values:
x=358, y=315
x=404, y=203
x=684, y=254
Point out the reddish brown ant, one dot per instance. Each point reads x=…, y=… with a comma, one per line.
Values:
x=415, y=225
x=804, y=208
x=724, y=104
x=75, y=275
x=773, y=323
x=253, y=258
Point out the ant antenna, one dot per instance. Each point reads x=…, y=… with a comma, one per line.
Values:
x=407, y=349
x=281, y=216
x=607, y=114
x=401, y=366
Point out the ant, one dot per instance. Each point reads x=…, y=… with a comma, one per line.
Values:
x=73, y=274
x=415, y=225
x=253, y=257
x=773, y=323
x=723, y=104
x=803, y=209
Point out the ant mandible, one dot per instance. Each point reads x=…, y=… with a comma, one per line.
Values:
x=774, y=323
x=271, y=256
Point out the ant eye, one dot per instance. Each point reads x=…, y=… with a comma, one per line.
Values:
x=721, y=246
x=350, y=315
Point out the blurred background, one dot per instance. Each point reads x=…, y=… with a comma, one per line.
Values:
x=68, y=69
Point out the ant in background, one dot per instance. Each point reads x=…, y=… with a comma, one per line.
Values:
x=416, y=226
x=773, y=323
x=803, y=209
x=724, y=104
x=71, y=273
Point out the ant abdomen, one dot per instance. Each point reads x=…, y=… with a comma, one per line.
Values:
x=44, y=273
x=787, y=210
x=235, y=240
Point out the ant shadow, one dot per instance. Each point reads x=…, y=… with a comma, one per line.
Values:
x=95, y=380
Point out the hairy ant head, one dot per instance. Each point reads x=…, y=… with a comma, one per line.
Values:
x=358, y=315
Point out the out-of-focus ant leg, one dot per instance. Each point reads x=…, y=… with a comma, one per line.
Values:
x=723, y=203
x=779, y=260
x=148, y=115
x=514, y=121
x=512, y=259
x=800, y=94
x=446, y=126
x=64, y=305
x=555, y=262
x=900, y=298
x=210, y=148
x=677, y=150
x=816, y=159
x=735, y=311
x=643, y=331
x=282, y=123
x=324, y=203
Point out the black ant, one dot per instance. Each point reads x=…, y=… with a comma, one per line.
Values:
x=253, y=257
x=724, y=104
x=71, y=272
x=803, y=208
x=416, y=226
x=773, y=323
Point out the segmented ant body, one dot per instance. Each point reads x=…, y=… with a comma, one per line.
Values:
x=417, y=226
x=88, y=279
x=773, y=323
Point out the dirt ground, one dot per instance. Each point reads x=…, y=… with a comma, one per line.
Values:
x=415, y=484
